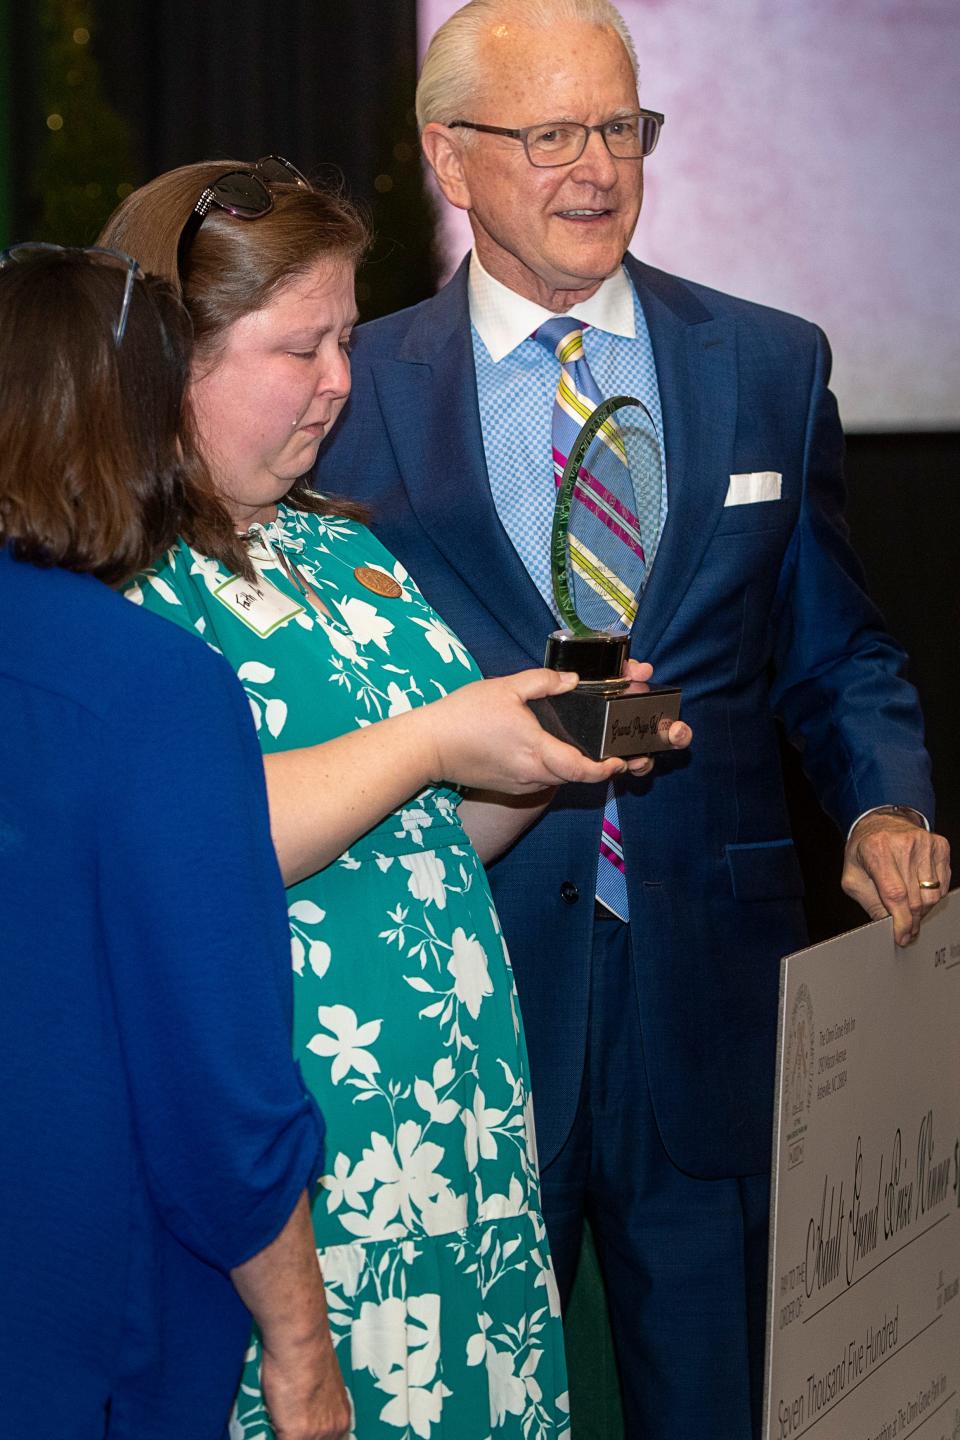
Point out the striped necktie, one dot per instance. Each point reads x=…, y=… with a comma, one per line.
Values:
x=606, y=551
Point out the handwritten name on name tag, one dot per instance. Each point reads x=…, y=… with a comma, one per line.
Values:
x=754, y=486
x=260, y=605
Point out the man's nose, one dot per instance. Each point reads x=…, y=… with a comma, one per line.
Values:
x=596, y=164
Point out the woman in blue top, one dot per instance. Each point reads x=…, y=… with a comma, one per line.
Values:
x=156, y=1141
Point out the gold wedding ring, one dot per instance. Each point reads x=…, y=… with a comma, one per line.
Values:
x=929, y=884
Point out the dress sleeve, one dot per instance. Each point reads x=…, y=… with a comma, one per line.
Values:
x=199, y=957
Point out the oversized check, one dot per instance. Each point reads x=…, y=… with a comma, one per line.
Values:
x=863, y=1315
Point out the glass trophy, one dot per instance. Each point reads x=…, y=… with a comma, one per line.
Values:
x=606, y=714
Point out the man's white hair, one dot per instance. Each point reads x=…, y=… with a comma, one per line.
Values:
x=449, y=76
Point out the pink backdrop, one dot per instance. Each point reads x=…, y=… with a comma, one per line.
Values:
x=810, y=160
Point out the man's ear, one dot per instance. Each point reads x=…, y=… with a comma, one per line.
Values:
x=445, y=157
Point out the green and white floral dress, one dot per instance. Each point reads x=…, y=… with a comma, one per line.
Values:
x=441, y=1294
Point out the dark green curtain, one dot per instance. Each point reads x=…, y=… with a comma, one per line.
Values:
x=6, y=232
x=595, y=1410
x=329, y=86
x=110, y=92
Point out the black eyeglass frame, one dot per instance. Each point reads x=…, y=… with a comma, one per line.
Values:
x=585, y=130
x=25, y=248
x=261, y=200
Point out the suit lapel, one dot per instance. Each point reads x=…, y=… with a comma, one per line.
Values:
x=428, y=397
x=695, y=356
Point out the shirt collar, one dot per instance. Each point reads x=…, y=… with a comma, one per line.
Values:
x=504, y=319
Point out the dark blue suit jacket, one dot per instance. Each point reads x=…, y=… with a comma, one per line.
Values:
x=756, y=610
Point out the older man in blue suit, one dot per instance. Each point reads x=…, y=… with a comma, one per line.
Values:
x=651, y=1014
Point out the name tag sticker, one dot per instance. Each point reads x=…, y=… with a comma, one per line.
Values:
x=260, y=605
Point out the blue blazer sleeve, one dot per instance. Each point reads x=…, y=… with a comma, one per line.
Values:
x=199, y=962
x=839, y=680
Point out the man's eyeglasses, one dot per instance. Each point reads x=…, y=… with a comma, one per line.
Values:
x=31, y=249
x=560, y=142
x=245, y=194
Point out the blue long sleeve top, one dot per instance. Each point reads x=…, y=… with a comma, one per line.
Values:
x=154, y=1131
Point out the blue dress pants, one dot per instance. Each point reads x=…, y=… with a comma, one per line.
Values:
x=683, y=1259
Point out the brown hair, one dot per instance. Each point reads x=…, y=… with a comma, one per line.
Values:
x=234, y=267
x=97, y=471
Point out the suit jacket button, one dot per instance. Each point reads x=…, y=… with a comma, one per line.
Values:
x=569, y=893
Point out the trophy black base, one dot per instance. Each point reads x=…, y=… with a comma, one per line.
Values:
x=633, y=720
x=605, y=715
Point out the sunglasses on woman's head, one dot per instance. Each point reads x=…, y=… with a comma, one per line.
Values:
x=245, y=194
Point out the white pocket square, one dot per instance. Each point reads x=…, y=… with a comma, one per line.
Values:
x=756, y=485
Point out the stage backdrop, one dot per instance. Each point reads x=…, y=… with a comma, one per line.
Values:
x=810, y=160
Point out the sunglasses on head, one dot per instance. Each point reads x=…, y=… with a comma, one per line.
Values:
x=245, y=194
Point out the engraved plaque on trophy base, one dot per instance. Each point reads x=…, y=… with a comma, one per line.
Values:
x=605, y=715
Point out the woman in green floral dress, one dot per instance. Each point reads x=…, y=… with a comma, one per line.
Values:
x=441, y=1299
x=406, y=1026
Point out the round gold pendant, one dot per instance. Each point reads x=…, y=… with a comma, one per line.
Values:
x=378, y=582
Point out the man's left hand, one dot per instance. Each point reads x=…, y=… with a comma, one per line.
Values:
x=679, y=735
x=886, y=858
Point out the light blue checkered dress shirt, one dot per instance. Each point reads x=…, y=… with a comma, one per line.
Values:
x=516, y=396
x=516, y=388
